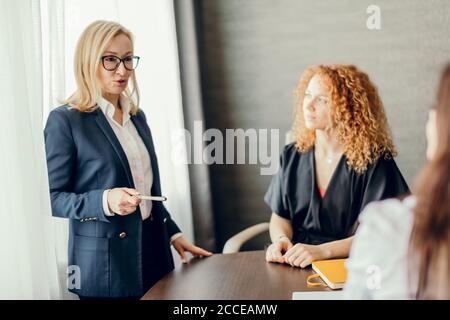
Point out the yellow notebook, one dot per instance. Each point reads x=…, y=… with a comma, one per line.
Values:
x=332, y=272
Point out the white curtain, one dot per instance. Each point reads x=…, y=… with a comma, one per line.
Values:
x=28, y=268
x=153, y=24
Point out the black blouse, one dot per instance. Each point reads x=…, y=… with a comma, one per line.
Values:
x=293, y=194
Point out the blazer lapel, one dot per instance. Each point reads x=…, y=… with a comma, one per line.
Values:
x=111, y=136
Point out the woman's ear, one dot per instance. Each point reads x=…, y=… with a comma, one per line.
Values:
x=431, y=133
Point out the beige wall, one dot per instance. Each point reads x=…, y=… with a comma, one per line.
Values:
x=253, y=52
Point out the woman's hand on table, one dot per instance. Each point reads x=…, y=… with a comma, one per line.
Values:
x=183, y=245
x=276, y=250
x=302, y=255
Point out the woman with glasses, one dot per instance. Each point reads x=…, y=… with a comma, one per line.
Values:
x=101, y=159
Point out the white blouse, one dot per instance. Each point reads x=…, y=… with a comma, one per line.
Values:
x=135, y=150
x=378, y=266
x=137, y=156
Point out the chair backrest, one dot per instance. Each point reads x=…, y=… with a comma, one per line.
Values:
x=234, y=243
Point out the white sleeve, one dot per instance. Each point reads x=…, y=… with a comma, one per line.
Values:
x=105, y=204
x=377, y=256
x=360, y=258
x=175, y=236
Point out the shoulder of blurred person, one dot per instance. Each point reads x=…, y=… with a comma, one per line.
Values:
x=378, y=262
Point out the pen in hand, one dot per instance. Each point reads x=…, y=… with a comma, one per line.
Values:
x=152, y=198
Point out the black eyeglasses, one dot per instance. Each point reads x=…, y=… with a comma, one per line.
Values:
x=111, y=63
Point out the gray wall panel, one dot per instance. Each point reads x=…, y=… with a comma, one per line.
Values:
x=254, y=51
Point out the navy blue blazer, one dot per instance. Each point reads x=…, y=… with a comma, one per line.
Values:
x=84, y=158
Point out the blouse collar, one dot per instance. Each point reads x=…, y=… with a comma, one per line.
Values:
x=108, y=108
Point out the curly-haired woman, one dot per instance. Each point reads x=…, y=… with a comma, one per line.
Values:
x=342, y=159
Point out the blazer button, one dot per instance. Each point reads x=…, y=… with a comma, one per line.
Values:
x=122, y=235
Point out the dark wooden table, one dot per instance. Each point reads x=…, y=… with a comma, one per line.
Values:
x=236, y=276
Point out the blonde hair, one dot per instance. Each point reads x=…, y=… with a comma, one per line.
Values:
x=357, y=115
x=90, y=47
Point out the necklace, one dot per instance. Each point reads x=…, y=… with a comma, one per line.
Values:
x=329, y=160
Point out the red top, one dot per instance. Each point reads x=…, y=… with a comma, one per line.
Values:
x=322, y=192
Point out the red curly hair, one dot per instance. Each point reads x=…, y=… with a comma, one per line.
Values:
x=357, y=115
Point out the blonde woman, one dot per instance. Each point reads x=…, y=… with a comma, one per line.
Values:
x=100, y=158
x=342, y=160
